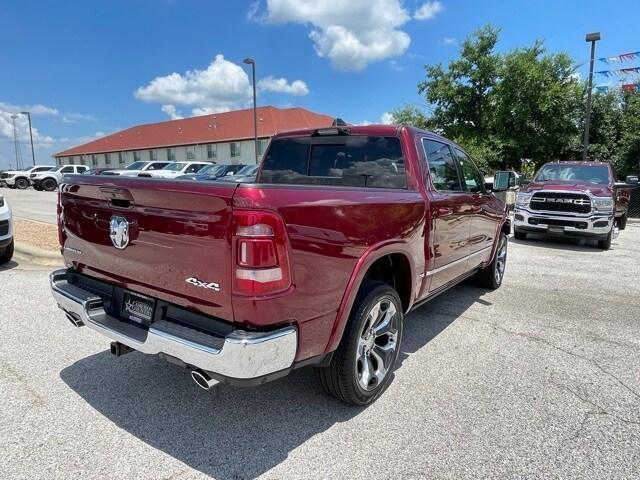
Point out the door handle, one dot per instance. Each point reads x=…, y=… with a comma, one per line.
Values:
x=475, y=208
x=444, y=211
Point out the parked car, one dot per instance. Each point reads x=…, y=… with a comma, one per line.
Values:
x=176, y=169
x=573, y=199
x=49, y=180
x=6, y=232
x=136, y=168
x=98, y=171
x=246, y=174
x=344, y=232
x=213, y=172
x=20, y=179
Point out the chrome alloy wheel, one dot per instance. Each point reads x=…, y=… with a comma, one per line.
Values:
x=377, y=344
x=501, y=260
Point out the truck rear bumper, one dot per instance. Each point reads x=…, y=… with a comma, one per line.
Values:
x=568, y=225
x=239, y=355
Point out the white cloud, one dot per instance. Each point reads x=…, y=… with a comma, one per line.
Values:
x=428, y=10
x=350, y=33
x=171, y=112
x=22, y=129
x=222, y=85
x=282, y=85
x=449, y=41
x=37, y=109
x=208, y=110
x=387, y=118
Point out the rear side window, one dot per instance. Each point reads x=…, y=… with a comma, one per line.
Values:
x=442, y=166
x=353, y=161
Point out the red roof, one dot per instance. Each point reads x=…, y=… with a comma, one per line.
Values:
x=219, y=127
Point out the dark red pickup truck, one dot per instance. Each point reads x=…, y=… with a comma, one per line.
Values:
x=344, y=231
x=573, y=199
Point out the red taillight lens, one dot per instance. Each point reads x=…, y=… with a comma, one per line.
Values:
x=261, y=253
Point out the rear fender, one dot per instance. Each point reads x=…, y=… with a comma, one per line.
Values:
x=364, y=263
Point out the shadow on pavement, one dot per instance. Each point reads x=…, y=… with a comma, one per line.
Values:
x=230, y=432
x=8, y=266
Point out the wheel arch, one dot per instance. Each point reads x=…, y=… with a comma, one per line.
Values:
x=391, y=263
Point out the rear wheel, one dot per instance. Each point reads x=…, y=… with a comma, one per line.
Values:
x=7, y=254
x=606, y=243
x=519, y=235
x=22, y=183
x=49, y=185
x=622, y=222
x=361, y=367
x=491, y=276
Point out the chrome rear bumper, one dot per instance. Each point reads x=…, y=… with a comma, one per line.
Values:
x=239, y=355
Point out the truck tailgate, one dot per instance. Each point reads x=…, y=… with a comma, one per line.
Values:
x=178, y=245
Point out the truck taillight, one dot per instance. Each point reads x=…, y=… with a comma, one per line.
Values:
x=62, y=236
x=261, y=257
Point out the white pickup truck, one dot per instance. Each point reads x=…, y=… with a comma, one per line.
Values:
x=6, y=232
x=20, y=179
x=49, y=181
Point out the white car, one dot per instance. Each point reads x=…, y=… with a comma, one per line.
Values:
x=49, y=181
x=20, y=179
x=175, y=169
x=137, y=168
x=6, y=232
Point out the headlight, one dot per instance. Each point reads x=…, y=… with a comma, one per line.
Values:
x=11, y=175
x=604, y=203
x=522, y=199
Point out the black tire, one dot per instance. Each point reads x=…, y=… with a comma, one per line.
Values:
x=519, y=235
x=12, y=187
x=622, y=222
x=22, y=183
x=49, y=185
x=345, y=374
x=37, y=187
x=7, y=255
x=606, y=243
x=492, y=275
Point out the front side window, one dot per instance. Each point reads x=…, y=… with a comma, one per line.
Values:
x=442, y=166
x=174, y=167
x=471, y=179
x=194, y=168
x=171, y=154
x=158, y=165
x=66, y=170
x=235, y=149
x=341, y=160
x=137, y=166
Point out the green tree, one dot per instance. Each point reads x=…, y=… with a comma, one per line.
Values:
x=605, y=133
x=411, y=116
x=538, y=103
x=630, y=138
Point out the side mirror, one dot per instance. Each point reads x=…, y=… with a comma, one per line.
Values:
x=503, y=181
x=632, y=179
x=625, y=185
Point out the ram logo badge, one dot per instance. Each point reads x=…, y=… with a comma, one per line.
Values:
x=119, y=232
x=199, y=283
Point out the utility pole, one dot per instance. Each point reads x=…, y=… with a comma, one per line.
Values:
x=33, y=153
x=16, y=144
x=593, y=38
x=252, y=62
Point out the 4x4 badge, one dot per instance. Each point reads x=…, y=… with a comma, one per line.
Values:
x=199, y=283
x=119, y=232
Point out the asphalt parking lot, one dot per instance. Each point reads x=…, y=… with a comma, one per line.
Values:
x=538, y=379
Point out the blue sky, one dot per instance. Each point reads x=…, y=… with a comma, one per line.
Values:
x=89, y=68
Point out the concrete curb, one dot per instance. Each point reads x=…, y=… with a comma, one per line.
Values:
x=633, y=220
x=37, y=255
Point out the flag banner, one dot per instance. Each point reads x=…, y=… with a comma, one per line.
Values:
x=623, y=57
x=631, y=87
x=618, y=73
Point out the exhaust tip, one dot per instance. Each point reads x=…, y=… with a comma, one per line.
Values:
x=203, y=380
x=74, y=319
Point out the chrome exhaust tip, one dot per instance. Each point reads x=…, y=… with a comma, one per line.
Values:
x=202, y=379
x=74, y=319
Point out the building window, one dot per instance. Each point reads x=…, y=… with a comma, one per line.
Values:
x=136, y=156
x=120, y=158
x=94, y=160
x=70, y=160
x=235, y=149
x=191, y=153
x=212, y=151
x=107, y=159
x=153, y=155
x=262, y=146
x=171, y=154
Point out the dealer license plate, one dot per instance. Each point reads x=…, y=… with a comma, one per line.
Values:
x=138, y=308
x=556, y=229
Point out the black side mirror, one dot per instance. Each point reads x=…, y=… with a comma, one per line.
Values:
x=503, y=181
x=632, y=179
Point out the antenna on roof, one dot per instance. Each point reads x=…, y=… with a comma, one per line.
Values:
x=338, y=122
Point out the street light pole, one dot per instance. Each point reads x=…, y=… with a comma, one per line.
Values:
x=252, y=62
x=33, y=153
x=593, y=38
x=16, y=146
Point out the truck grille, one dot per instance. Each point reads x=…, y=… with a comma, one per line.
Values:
x=561, y=202
x=4, y=227
x=3, y=175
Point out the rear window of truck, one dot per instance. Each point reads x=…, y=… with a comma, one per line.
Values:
x=340, y=160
